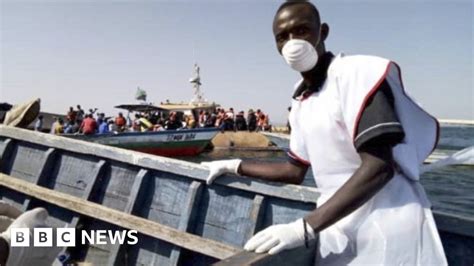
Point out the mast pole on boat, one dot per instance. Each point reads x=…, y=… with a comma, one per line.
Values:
x=196, y=81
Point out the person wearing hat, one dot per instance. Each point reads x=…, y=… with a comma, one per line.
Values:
x=365, y=140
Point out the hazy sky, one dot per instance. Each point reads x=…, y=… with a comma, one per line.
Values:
x=96, y=53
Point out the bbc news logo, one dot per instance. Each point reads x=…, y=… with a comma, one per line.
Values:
x=66, y=237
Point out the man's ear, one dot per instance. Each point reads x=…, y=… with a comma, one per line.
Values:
x=324, y=32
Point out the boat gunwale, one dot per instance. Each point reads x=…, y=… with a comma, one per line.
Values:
x=159, y=163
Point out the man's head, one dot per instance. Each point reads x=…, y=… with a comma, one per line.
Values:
x=299, y=20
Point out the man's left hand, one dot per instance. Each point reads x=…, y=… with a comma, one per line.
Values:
x=280, y=237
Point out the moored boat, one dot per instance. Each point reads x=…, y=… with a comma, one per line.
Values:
x=176, y=141
x=172, y=143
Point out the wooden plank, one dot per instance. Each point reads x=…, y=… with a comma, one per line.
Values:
x=95, y=176
x=4, y=154
x=188, y=216
x=136, y=187
x=225, y=215
x=255, y=215
x=100, y=166
x=296, y=256
x=185, y=240
x=43, y=172
x=188, y=169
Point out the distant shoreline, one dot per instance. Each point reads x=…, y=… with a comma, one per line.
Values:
x=456, y=121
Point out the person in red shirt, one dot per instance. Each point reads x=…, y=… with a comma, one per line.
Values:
x=89, y=125
x=71, y=115
x=120, y=122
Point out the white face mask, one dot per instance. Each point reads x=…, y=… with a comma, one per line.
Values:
x=300, y=55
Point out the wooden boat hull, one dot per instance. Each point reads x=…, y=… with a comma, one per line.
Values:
x=180, y=220
x=164, y=192
x=170, y=143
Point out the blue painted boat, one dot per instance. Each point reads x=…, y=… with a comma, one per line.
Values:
x=180, y=220
x=171, y=143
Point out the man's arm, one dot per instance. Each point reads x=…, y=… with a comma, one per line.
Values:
x=286, y=172
x=375, y=171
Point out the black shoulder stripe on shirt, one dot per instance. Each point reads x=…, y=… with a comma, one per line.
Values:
x=379, y=124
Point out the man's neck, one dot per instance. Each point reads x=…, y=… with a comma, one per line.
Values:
x=313, y=77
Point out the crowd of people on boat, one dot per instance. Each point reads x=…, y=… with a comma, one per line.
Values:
x=78, y=121
x=228, y=120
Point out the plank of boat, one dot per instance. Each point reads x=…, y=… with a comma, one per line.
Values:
x=105, y=214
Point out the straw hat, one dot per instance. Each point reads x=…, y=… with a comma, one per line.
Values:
x=22, y=115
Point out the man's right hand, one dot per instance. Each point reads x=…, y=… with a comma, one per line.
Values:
x=217, y=168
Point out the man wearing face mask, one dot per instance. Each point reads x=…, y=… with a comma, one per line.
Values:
x=365, y=139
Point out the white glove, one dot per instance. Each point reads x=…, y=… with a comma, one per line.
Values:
x=280, y=237
x=22, y=256
x=217, y=168
x=7, y=215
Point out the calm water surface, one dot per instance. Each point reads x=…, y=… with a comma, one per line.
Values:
x=450, y=189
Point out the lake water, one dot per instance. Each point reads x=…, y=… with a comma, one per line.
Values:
x=450, y=189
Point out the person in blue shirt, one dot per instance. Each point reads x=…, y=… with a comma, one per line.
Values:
x=103, y=126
